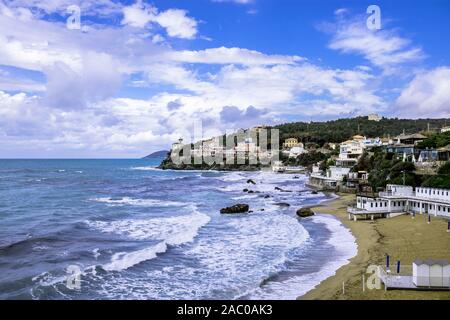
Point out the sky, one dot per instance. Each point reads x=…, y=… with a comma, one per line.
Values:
x=130, y=77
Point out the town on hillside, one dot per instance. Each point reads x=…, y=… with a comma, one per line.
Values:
x=360, y=164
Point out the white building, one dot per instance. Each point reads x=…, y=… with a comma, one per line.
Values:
x=431, y=273
x=374, y=117
x=350, y=151
x=331, y=179
x=445, y=129
x=297, y=150
x=398, y=199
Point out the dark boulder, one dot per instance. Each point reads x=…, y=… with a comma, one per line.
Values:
x=237, y=208
x=251, y=191
x=266, y=196
x=305, y=212
x=245, y=190
x=314, y=192
x=251, y=181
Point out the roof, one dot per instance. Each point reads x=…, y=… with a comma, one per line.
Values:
x=446, y=148
x=431, y=262
x=358, y=137
x=411, y=136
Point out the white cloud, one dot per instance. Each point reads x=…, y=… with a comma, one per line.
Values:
x=175, y=21
x=383, y=48
x=225, y=55
x=427, y=95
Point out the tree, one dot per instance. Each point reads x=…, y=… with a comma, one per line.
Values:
x=441, y=179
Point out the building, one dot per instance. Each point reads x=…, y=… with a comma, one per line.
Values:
x=431, y=273
x=329, y=180
x=399, y=199
x=374, y=117
x=409, y=139
x=445, y=129
x=372, y=142
x=350, y=151
x=289, y=143
x=297, y=150
x=177, y=145
x=278, y=166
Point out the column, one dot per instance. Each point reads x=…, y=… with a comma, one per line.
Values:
x=420, y=207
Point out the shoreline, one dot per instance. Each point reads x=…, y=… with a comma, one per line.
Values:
x=402, y=237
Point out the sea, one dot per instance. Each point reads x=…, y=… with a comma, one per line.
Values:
x=123, y=229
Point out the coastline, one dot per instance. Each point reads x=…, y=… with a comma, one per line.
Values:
x=403, y=238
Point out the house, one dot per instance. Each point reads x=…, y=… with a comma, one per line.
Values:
x=177, y=145
x=289, y=143
x=374, y=117
x=409, y=139
x=431, y=273
x=399, y=199
x=350, y=151
x=445, y=129
x=297, y=150
x=329, y=180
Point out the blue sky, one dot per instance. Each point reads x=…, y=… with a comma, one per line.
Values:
x=136, y=75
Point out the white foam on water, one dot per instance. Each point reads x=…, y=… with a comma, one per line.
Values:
x=139, y=202
x=170, y=231
x=345, y=245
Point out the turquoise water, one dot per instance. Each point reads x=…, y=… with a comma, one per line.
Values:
x=135, y=232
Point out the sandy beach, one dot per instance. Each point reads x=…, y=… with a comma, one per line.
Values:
x=403, y=238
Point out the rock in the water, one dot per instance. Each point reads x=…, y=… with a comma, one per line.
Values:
x=266, y=196
x=237, y=208
x=282, y=204
x=296, y=177
x=251, y=181
x=245, y=190
x=305, y=212
x=314, y=192
x=261, y=210
x=282, y=190
x=251, y=191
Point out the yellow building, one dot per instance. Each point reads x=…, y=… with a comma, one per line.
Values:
x=289, y=143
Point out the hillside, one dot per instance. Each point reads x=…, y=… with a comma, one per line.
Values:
x=157, y=154
x=342, y=129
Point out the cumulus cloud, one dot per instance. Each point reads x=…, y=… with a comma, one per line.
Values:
x=427, y=95
x=175, y=21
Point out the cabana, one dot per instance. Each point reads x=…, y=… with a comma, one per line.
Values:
x=431, y=273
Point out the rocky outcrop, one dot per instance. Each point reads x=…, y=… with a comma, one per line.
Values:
x=237, y=208
x=305, y=212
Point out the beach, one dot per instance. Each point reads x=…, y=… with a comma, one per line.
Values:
x=403, y=238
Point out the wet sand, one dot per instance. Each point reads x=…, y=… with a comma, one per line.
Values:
x=403, y=238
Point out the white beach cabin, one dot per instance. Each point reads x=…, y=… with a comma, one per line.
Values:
x=431, y=273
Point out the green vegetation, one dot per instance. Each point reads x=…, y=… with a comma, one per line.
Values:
x=441, y=180
x=308, y=159
x=384, y=169
x=342, y=129
x=437, y=140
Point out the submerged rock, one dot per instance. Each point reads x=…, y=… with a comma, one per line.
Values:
x=237, y=208
x=305, y=212
x=245, y=190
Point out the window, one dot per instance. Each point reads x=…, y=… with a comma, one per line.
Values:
x=371, y=205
